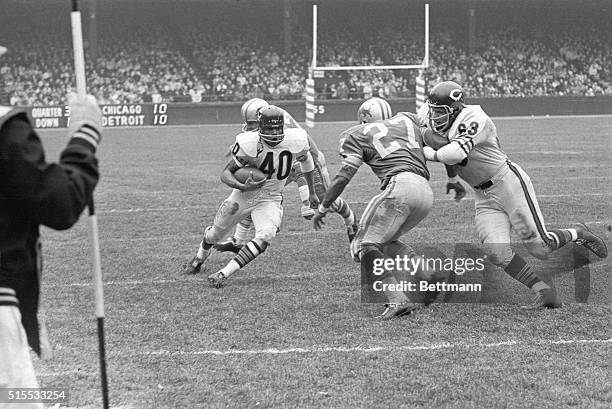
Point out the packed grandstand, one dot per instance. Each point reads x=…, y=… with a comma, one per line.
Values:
x=211, y=54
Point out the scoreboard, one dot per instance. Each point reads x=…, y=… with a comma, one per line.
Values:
x=112, y=115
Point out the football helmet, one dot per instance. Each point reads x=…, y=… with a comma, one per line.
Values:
x=374, y=109
x=445, y=101
x=249, y=111
x=271, y=123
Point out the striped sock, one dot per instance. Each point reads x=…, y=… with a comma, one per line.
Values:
x=560, y=237
x=342, y=208
x=246, y=254
x=521, y=271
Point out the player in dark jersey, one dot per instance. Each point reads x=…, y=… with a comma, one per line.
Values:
x=393, y=148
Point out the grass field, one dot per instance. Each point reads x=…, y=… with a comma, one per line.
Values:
x=290, y=331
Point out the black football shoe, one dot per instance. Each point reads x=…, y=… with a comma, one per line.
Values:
x=393, y=310
x=593, y=243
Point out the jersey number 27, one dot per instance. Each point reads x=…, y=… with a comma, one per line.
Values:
x=384, y=143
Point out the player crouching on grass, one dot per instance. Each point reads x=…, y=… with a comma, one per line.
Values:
x=249, y=113
x=465, y=135
x=274, y=150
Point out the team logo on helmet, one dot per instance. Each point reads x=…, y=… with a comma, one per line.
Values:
x=374, y=109
x=456, y=94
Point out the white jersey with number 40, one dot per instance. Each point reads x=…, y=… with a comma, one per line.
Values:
x=275, y=161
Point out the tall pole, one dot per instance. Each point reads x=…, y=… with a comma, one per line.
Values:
x=426, y=35
x=79, y=68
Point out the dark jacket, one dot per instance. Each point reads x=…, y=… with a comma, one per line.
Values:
x=33, y=193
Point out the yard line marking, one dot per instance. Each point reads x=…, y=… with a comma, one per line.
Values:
x=192, y=207
x=65, y=373
x=324, y=349
x=178, y=280
x=307, y=231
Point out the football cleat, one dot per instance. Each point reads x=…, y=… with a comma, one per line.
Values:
x=351, y=231
x=393, y=310
x=307, y=212
x=546, y=298
x=217, y=280
x=587, y=239
x=194, y=266
x=229, y=245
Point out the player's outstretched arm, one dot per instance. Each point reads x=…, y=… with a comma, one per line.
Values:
x=341, y=180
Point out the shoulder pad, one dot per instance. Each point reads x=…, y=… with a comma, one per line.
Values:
x=412, y=116
x=246, y=144
x=296, y=140
x=470, y=117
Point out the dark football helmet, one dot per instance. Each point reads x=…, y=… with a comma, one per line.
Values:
x=445, y=101
x=271, y=122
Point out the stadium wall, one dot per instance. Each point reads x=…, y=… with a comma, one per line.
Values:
x=133, y=115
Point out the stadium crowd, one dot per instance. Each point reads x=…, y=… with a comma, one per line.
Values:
x=233, y=63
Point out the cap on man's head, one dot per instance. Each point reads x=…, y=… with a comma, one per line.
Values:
x=3, y=50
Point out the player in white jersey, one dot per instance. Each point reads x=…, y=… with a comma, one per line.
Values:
x=274, y=151
x=505, y=198
x=249, y=112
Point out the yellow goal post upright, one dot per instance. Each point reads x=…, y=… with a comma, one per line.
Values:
x=314, y=69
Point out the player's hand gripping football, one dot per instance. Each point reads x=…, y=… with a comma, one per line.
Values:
x=251, y=184
x=458, y=188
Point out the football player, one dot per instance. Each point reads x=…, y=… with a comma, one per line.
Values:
x=376, y=109
x=249, y=112
x=392, y=147
x=465, y=135
x=274, y=150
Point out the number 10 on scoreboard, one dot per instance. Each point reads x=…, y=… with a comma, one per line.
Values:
x=160, y=114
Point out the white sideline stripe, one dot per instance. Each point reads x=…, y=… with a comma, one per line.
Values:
x=201, y=207
x=315, y=350
x=178, y=280
x=324, y=349
x=68, y=372
x=306, y=231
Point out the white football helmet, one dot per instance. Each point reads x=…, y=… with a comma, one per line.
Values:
x=250, y=113
x=374, y=109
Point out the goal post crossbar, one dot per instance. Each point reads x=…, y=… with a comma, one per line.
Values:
x=370, y=67
x=314, y=67
x=310, y=83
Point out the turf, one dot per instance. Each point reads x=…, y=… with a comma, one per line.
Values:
x=290, y=330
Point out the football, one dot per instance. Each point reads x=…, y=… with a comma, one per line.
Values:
x=243, y=174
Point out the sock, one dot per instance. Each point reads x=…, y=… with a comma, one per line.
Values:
x=241, y=235
x=521, y=271
x=368, y=255
x=560, y=237
x=205, y=244
x=342, y=208
x=246, y=254
x=304, y=195
x=203, y=249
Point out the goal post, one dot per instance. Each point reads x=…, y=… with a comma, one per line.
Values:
x=314, y=68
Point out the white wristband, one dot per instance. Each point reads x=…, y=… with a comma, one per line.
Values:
x=323, y=209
